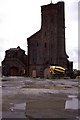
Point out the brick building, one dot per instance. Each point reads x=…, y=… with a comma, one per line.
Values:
x=15, y=62
x=47, y=46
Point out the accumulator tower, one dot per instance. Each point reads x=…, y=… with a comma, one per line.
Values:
x=47, y=46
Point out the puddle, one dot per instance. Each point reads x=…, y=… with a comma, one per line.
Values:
x=47, y=104
x=73, y=103
x=53, y=86
x=72, y=96
x=69, y=104
x=20, y=106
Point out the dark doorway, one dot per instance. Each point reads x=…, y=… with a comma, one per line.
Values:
x=13, y=71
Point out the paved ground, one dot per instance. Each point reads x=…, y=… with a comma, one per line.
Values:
x=39, y=98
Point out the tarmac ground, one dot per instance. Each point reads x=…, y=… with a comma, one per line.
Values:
x=25, y=97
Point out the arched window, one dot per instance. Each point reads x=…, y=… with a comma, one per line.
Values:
x=37, y=44
x=45, y=45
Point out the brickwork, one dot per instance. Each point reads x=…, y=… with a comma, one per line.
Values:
x=47, y=46
x=15, y=62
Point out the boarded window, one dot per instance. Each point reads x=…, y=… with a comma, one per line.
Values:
x=13, y=71
x=47, y=73
x=33, y=73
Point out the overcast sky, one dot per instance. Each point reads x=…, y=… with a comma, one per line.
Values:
x=19, y=19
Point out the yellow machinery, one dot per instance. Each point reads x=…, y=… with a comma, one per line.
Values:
x=57, y=70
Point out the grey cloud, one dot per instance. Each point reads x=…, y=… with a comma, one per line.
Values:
x=73, y=55
x=2, y=17
x=72, y=11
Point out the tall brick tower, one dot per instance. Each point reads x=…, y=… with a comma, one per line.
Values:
x=47, y=46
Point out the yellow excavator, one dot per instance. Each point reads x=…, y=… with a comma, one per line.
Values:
x=57, y=71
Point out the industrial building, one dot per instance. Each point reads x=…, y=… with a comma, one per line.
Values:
x=15, y=62
x=47, y=46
